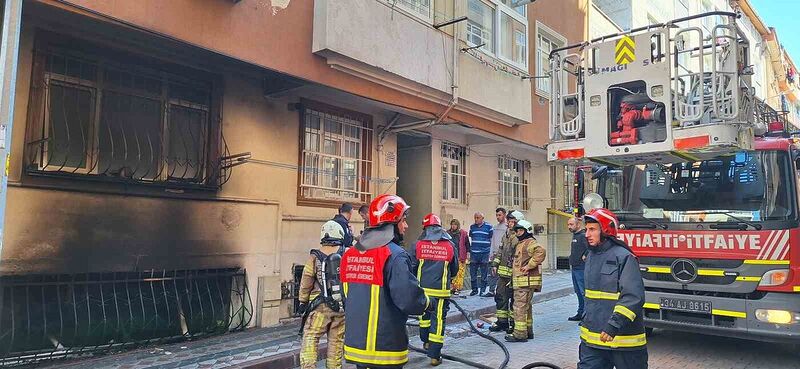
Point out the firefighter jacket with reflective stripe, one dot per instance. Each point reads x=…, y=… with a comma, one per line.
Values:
x=435, y=263
x=381, y=293
x=310, y=283
x=614, y=297
x=528, y=254
x=503, y=258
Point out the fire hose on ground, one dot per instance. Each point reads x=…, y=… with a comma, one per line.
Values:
x=538, y=364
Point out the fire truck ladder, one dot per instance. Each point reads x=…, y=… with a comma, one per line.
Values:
x=700, y=96
x=567, y=124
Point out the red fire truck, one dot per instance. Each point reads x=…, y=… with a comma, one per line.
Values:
x=718, y=240
x=703, y=176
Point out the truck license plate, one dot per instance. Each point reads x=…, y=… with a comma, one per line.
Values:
x=693, y=306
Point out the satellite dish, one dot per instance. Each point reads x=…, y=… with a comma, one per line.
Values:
x=593, y=201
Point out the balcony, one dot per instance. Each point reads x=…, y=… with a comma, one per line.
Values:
x=398, y=49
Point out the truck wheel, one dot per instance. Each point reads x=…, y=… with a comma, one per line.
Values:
x=648, y=331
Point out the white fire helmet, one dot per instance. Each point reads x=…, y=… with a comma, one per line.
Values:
x=516, y=214
x=526, y=225
x=332, y=233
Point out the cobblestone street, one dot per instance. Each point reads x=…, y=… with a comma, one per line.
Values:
x=557, y=342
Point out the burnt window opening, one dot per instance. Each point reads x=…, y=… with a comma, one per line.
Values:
x=94, y=116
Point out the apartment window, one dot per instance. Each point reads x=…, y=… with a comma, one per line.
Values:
x=513, y=187
x=708, y=22
x=336, y=154
x=521, y=10
x=480, y=26
x=547, y=40
x=513, y=44
x=102, y=118
x=502, y=30
x=421, y=8
x=454, y=179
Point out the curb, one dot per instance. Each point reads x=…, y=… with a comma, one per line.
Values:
x=291, y=360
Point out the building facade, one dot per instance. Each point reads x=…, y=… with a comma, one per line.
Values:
x=182, y=155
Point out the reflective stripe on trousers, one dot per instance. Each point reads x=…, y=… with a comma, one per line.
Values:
x=618, y=341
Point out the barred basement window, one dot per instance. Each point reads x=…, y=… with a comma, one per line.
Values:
x=513, y=187
x=454, y=179
x=336, y=155
x=94, y=117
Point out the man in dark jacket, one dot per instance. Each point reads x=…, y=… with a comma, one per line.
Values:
x=612, y=330
x=436, y=263
x=576, y=262
x=381, y=290
x=343, y=218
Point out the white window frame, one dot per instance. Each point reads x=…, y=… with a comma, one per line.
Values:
x=412, y=9
x=505, y=170
x=499, y=8
x=313, y=157
x=448, y=175
x=543, y=31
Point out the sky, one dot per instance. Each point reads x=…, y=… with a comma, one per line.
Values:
x=783, y=15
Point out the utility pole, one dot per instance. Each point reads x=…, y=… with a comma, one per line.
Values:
x=9, y=51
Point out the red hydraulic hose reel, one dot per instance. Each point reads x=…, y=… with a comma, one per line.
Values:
x=626, y=133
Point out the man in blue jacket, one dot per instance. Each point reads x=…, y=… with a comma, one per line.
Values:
x=480, y=235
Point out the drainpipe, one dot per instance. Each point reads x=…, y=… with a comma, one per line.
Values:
x=385, y=131
x=9, y=52
x=453, y=88
x=276, y=268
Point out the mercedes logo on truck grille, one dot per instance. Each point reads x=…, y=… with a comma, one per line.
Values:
x=684, y=271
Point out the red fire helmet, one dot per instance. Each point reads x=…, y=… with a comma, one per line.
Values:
x=387, y=209
x=607, y=220
x=431, y=220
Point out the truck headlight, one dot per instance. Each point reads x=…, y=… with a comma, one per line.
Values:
x=775, y=277
x=777, y=316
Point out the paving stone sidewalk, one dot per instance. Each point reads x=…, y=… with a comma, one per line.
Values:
x=276, y=347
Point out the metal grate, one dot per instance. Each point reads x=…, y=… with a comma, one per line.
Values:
x=44, y=317
x=96, y=118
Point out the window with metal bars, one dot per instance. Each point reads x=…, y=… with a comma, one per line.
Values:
x=513, y=187
x=94, y=116
x=454, y=177
x=336, y=154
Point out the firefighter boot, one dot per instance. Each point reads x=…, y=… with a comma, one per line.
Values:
x=499, y=326
x=512, y=338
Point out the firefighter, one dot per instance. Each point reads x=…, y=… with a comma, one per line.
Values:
x=526, y=274
x=436, y=263
x=612, y=329
x=501, y=266
x=324, y=313
x=381, y=289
